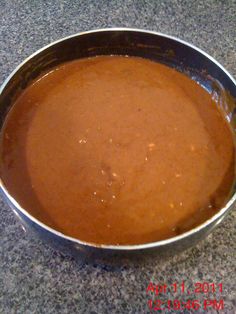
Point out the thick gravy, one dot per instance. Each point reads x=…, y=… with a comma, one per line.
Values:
x=117, y=150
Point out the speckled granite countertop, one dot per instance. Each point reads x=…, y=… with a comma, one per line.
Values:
x=36, y=279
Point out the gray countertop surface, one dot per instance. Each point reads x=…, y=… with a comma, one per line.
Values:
x=36, y=279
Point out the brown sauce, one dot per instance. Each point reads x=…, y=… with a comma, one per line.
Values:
x=117, y=150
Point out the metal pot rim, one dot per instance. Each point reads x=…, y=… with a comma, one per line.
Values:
x=217, y=217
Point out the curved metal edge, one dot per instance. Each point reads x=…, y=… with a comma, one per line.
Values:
x=216, y=218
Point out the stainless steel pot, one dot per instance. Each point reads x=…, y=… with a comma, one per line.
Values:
x=155, y=46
